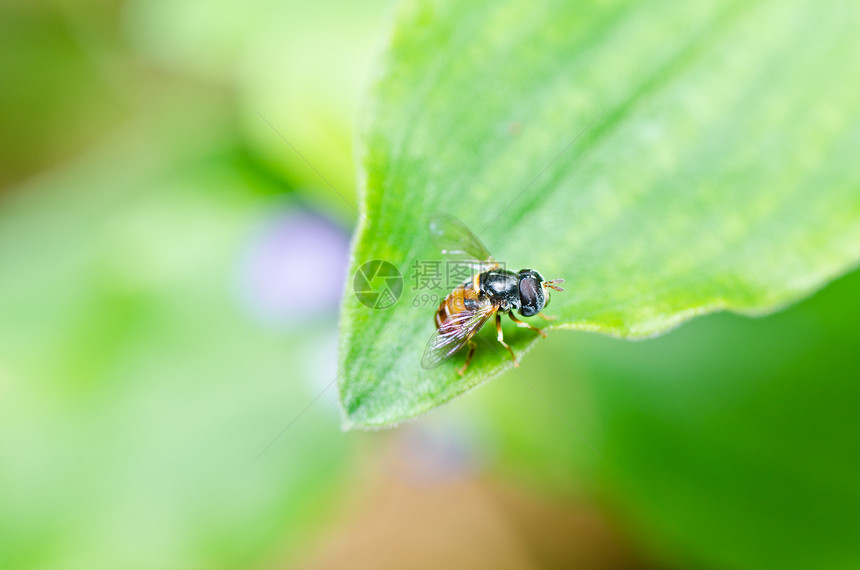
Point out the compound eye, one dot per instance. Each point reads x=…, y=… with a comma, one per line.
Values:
x=531, y=296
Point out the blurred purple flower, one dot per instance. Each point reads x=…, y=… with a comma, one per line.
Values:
x=294, y=269
x=432, y=453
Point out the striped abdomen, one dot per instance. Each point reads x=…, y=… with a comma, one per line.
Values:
x=466, y=297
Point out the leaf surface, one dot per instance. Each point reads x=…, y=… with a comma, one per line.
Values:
x=667, y=160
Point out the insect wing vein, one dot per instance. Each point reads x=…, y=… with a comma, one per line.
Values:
x=457, y=241
x=453, y=334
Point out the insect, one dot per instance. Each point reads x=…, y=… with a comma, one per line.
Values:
x=490, y=291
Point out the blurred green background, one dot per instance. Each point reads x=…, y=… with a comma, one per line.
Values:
x=155, y=341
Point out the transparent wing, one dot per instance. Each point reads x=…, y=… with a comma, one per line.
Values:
x=454, y=334
x=455, y=240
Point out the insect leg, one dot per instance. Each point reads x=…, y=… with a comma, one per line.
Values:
x=526, y=325
x=462, y=369
x=501, y=338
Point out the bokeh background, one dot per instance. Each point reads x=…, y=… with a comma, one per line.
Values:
x=177, y=199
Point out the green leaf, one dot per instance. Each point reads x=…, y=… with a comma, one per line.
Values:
x=721, y=445
x=668, y=160
x=751, y=436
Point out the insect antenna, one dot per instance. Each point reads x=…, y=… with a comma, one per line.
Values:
x=554, y=284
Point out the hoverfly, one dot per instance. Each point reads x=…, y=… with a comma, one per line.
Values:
x=490, y=291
